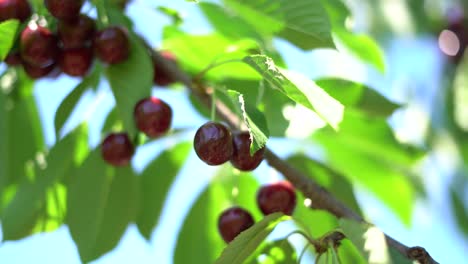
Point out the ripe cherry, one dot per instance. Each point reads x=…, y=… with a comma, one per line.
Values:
x=76, y=62
x=64, y=9
x=213, y=143
x=233, y=221
x=38, y=46
x=117, y=149
x=277, y=197
x=76, y=34
x=13, y=58
x=153, y=116
x=161, y=76
x=112, y=45
x=14, y=9
x=241, y=158
x=35, y=72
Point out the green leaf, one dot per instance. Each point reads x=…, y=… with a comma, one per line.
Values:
x=201, y=224
x=331, y=180
x=363, y=47
x=369, y=240
x=68, y=104
x=155, y=182
x=255, y=121
x=196, y=52
x=101, y=202
x=120, y=210
x=7, y=36
x=460, y=211
x=278, y=252
x=303, y=22
x=365, y=142
x=247, y=242
x=131, y=81
x=177, y=18
x=460, y=94
x=29, y=200
x=227, y=23
x=298, y=88
x=358, y=96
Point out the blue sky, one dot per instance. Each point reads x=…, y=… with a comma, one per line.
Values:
x=409, y=61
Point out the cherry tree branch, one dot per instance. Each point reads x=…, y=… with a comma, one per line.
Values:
x=321, y=198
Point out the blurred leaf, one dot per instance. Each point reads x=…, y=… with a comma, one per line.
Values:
x=177, y=18
x=68, y=104
x=131, y=81
x=358, y=96
x=303, y=22
x=367, y=153
x=273, y=105
x=120, y=210
x=363, y=47
x=23, y=210
x=278, y=252
x=227, y=23
x=155, y=182
x=337, y=11
x=8, y=30
x=299, y=88
x=201, y=224
x=101, y=202
x=196, y=52
x=255, y=121
x=238, y=250
x=331, y=180
x=369, y=240
x=460, y=94
x=349, y=254
x=460, y=211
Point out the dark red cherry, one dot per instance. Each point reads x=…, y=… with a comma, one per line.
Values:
x=277, y=197
x=35, y=72
x=117, y=149
x=213, y=143
x=38, y=46
x=76, y=34
x=161, y=76
x=112, y=45
x=153, y=116
x=13, y=59
x=233, y=221
x=241, y=158
x=64, y=9
x=14, y=9
x=76, y=62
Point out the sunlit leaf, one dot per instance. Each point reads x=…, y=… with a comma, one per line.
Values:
x=7, y=36
x=238, y=250
x=298, y=88
x=155, y=182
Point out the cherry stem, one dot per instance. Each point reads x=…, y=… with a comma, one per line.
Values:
x=302, y=254
x=213, y=105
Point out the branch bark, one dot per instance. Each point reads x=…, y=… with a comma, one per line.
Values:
x=321, y=198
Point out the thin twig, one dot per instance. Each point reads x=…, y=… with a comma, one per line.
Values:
x=322, y=199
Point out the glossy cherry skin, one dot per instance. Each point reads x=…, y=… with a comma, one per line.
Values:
x=161, y=76
x=76, y=34
x=111, y=45
x=117, y=149
x=277, y=197
x=14, y=9
x=153, y=117
x=76, y=62
x=13, y=59
x=241, y=158
x=38, y=46
x=64, y=9
x=35, y=72
x=213, y=143
x=233, y=221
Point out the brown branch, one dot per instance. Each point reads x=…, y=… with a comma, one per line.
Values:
x=321, y=198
